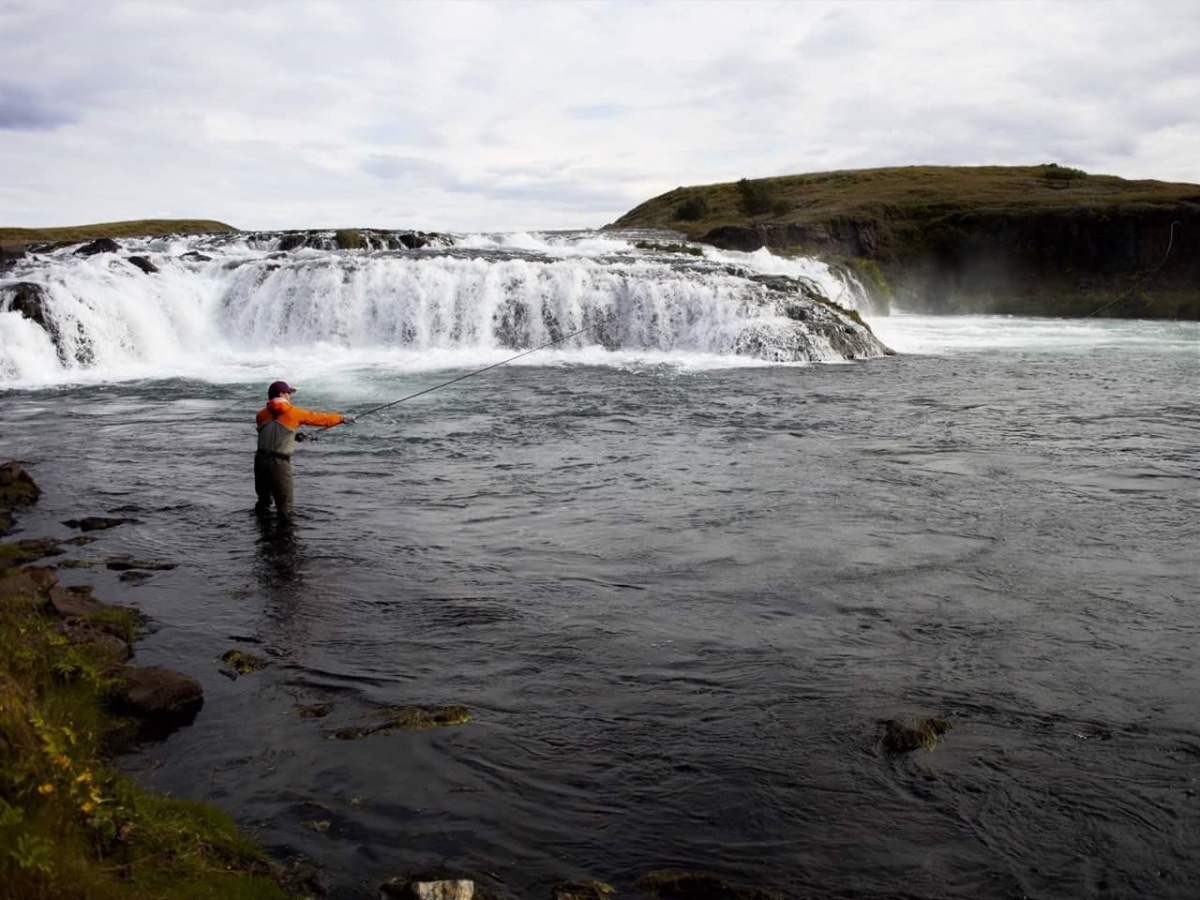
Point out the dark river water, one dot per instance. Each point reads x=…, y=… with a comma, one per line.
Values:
x=677, y=602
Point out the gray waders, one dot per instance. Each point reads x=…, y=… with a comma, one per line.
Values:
x=273, y=467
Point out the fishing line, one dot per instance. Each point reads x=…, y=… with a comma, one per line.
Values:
x=469, y=374
x=1146, y=279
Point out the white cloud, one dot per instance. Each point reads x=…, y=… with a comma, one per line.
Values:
x=509, y=115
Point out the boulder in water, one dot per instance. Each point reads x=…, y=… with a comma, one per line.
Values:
x=95, y=523
x=160, y=696
x=142, y=263
x=415, y=889
x=17, y=490
x=29, y=300
x=102, y=245
x=679, y=884
x=583, y=890
x=897, y=737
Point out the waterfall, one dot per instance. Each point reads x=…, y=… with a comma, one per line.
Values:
x=65, y=315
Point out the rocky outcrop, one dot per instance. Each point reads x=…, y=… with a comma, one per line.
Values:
x=998, y=239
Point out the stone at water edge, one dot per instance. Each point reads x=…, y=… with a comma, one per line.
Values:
x=408, y=889
x=142, y=263
x=92, y=635
x=157, y=694
x=583, y=890
x=28, y=582
x=74, y=602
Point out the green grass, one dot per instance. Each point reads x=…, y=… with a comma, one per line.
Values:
x=908, y=192
x=71, y=826
x=136, y=228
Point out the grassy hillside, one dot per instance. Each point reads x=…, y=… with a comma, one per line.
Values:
x=909, y=192
x=137, y=228
x=1041, y=240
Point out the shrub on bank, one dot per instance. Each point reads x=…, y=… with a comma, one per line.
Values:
x=70, y=825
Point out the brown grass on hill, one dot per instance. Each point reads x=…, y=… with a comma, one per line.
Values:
x=135, y=228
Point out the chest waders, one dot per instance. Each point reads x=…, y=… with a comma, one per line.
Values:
x=273, y=466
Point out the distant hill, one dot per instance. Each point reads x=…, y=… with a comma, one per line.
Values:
x=1012, y=239
x=138, y=228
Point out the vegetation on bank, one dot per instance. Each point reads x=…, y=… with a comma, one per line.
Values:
x=71, y=826
x=136, y=228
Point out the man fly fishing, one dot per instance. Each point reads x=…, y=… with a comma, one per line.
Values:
x=277, y=423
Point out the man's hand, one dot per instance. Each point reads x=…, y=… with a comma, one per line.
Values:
x=347, y=420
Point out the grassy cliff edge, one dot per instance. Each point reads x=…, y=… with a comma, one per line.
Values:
x=1012, y=239
x=134, y=228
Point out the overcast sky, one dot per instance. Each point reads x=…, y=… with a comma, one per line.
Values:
x=558, y=114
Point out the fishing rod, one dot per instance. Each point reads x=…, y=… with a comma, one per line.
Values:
x=1145, y=279
x=468, y=375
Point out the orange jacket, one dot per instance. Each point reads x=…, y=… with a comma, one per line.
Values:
x=293, y=416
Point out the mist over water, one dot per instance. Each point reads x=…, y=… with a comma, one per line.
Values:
x=677, y=589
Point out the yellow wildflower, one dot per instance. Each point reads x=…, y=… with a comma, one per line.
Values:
x=83, y=777
x=46, y=788
x=87, y=807
x=62, y=761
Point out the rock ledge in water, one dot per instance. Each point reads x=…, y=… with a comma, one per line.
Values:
x=679, y=884
x=897, y=737
x=412, y=889
x=409, y=718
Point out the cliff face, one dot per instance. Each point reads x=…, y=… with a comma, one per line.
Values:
x=1002, y=240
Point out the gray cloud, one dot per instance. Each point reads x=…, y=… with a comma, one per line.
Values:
x=25, y=109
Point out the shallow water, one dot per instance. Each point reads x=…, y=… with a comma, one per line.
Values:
x=676, y=601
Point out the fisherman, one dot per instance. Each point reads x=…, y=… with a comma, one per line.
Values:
x=277, y=423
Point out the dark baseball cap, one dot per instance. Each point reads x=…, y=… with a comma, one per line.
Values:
x=279, y=387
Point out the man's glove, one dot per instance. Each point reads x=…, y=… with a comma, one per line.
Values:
x=347, y=420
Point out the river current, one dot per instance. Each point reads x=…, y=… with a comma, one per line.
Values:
x=677, y=594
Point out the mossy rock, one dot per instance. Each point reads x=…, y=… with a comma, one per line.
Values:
x=583, y=890
x=349, y=239
x=314, y=710
x=407, y=718
x=679, y=884
x=244, y=663
x=898, y=737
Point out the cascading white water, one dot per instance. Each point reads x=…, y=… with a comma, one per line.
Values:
x=216, y=298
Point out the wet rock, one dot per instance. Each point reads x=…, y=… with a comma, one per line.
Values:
x=409, y=718
x=583, y=890
x=102, y=245
x=314, y=710
x=74, y=602
x=29, y=300
x=17, y=491
x=897, y=737
x=195, y=256
x=142, y=263
x=134, y=576
x=94, y=635
x=302, y=879
x=163, y=696
x=125, y=564
x=412, y=889
x=80, y=541
x=412, y=241
x=95, y=523
x=679, y=884
x=244, y=663
x=28, y=582
x=293, y=241
x=78, y=563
